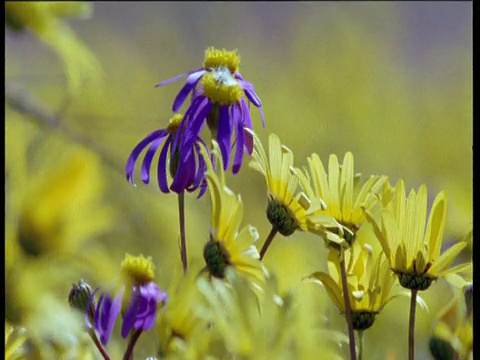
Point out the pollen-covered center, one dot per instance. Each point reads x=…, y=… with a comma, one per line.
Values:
x=139, y=269
x=215, y=58
x=281, y=217
x=221, y=87
x=174, y=123
x=216, y=257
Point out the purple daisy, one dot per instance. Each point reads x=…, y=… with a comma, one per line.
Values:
x=141, y=295
x=185, y=165
x=218, y=93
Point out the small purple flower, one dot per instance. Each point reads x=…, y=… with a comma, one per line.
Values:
x=218, y=94
x=185, y=165
x=141, y=297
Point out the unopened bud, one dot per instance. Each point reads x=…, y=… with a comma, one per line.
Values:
x=80, y=298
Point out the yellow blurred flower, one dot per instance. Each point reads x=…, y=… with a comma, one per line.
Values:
x=14, y=340
x=370, y=282
x=343, y=192
x=183, y=330
x=288, y=208
x=269, y=329
x=45, y=20
x=412, y=250
x=452, y=331
x=229, y=246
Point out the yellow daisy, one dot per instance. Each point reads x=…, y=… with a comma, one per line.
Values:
x=412, y=249
x=288, y=208
x=228, y=245
x=370, y=282
x=343, y=192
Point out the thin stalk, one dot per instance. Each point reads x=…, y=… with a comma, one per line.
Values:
x=98, y=344
x=411, y=327
x=133, y=340
x=348, y=310
x=183, y=239
x=360, y=344
x=267, y=243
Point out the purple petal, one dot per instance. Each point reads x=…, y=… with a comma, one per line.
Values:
x=147, y=161
x=224, y=135
x=191, y=82
x=237, y=161
x=178, y=77
x=197, y=120
x=131, y=312
x=185, y=172
x=255, y=100
x=186, y=119
x=132, y=159
x=247, y=123
x=106, y=315
x=162, y=166
x=87, y=312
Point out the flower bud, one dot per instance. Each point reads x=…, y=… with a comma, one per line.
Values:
x=80, y=298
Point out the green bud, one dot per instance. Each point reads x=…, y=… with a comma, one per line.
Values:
x=414, y=281
x=216, y=258
x=281, y=217
x=79, y=298
x=440, y=349
x=362, y=320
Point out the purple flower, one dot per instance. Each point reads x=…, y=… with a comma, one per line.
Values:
x=218, y=94
x=185, y=165
x=141, y=297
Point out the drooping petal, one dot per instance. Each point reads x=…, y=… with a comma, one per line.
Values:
x=185, y=172
x=240, y=135
x=147, y=161
x=132, y=159
x=131, y=312
x=224, y=135
x=162, y=166
x=178, y=77
x=247, y=123
x=190, y=84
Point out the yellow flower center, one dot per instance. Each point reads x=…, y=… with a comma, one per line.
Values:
x=174, y=123
x=215, y=58
x=221, y=87
x=139, y=269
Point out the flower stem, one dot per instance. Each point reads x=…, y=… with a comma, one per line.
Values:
x=133, y=340
x=411, y=327
x=269, y=240
x=183, y=240
x=98, y=344
x=348, y=310
x=360, y=344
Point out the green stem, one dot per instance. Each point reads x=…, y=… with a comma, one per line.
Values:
x=98, y=344
x=183, y=240
x=348, y=310
x=133, y=340
x=267, y=243
x=411, y=327
x=360, y=344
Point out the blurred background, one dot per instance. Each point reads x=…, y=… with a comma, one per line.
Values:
x=391, y=82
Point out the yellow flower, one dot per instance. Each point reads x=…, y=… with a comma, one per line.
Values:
x=249, y=329
x=343, y=192
x=452, y=331
x=288, y=209
x=183, y=329
x=45, y=20
x=412, y=250
x=229, y=246
x=369, y=279
x=14, y=339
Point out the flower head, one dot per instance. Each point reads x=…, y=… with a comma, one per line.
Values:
x=229, y=246
x=369, y=279
x=137, y=299
x=185, y=166
x=218, y=94
x=411, y=243
x=288, y=209
x=342, y=191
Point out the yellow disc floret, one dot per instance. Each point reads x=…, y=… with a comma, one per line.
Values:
x=138, y=268
x=215, y=58
x=174, y=123
x=220, y=87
